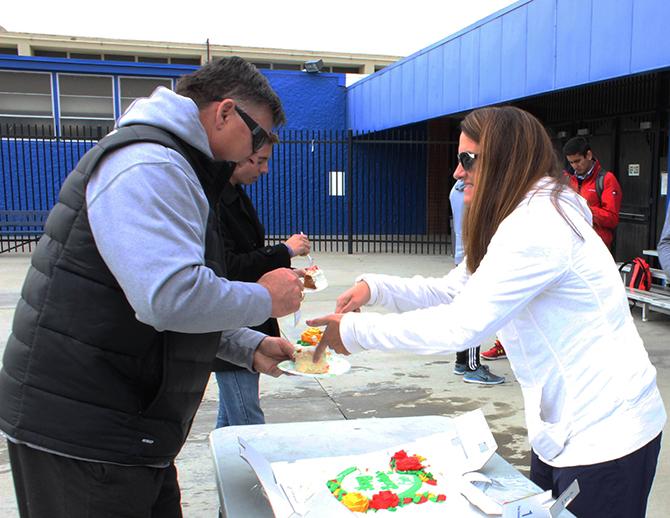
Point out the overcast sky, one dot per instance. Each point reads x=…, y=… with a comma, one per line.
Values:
x=357, y=26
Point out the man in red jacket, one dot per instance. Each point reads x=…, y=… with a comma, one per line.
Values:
x=603, y=196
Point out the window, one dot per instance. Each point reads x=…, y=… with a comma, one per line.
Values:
x=336, y=183
x=81, y=55
x=151, y=59
x=86, y=104
x=25, y=100
x=347, y=70
x=134, y=87
x=261, y=65
x=379, y=67
x=118, y=57
x=9, y=50
x=287, y=66
x=185, y=61
x=49, y=53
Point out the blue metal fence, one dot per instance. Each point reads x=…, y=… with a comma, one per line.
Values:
x=349, y=192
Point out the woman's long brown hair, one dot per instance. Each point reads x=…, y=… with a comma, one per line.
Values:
x=515, y=152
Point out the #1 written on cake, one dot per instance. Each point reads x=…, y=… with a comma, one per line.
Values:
x=407, y=482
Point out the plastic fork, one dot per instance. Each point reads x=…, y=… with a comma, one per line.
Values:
x=309, y=257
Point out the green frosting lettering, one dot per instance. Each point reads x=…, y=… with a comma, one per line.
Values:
x=364, y=483
x=386, y=482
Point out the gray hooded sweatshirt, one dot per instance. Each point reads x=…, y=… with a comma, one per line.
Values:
x=148, y=215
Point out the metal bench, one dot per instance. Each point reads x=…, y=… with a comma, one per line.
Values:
x=19, y=227
x=656, y=300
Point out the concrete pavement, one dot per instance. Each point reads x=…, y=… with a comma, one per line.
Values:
x=379, y=385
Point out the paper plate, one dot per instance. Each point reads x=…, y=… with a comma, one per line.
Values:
x=338, y=365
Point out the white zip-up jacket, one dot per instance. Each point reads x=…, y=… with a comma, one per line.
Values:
x=557, y=303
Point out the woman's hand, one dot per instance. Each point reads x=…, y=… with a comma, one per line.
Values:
x=352, y=299
x=331, y=336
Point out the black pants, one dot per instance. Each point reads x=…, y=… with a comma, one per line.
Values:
x=53, y=486
x=469, y=357
x=614, y=489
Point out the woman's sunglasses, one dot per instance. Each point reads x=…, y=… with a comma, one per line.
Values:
x=467, y=160
x=259, y=137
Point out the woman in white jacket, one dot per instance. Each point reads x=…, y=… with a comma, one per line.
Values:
x=536, y=274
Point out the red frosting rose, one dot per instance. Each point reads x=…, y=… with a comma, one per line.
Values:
x=408, y=464
x=384, y=500
x=402, y=454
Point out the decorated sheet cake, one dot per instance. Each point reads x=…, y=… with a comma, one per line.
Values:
x=407, y=482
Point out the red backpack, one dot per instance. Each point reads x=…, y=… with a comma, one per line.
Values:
x=639, y=276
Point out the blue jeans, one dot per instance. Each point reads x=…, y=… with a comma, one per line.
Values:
x=238, y=398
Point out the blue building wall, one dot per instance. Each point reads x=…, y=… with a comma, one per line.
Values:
x=529, y=48
x=311, y=101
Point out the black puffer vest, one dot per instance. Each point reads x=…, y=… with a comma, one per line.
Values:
x=81, y=375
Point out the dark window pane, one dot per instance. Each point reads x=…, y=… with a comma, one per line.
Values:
x=347, y=70
x=287, y=66
x=9, y=50
x=185, y=61
x=261, y=65
x=25, y=82
x=25, y=94
x=118, y=57
x=49, y=53
x=85, y=85
x=81, y=55
x=151, y=59
x=134, y=87
x=84, y=96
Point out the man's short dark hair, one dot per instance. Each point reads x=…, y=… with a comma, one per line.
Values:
x=231, y=78
x=576, y=146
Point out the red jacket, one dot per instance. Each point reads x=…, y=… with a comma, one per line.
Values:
x=605, y=209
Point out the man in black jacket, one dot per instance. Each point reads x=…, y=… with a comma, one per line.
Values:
x=122, y=310
x=247, y=259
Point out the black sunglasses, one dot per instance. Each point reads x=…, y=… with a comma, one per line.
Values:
x=259, y=137
x=467, y=160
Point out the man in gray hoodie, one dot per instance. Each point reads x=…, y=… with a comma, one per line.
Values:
x=126, y=303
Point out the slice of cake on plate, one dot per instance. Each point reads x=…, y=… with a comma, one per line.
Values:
x=314, y=277
x=304, y=362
